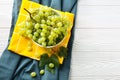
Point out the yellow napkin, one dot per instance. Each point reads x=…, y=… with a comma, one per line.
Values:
x=19, y=44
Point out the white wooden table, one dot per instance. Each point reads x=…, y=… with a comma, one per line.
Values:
x=96, y=48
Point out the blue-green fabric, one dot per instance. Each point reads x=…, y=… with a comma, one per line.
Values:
x=16, y=67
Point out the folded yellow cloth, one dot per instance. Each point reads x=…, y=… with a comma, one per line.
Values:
x=19, y=44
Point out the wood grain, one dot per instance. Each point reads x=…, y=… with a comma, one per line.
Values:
x=98, y=17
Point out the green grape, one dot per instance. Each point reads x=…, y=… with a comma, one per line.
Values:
x=44, y=44
x=59, y=24
x=29, y=25
x=49, y=17
x=43, y=39
x=28, y=31
x=39, y=41
x=39, y=30
x=42, y=34
x=56, y=30
x=46, y=14
x=42, y=72
x=36, y=18
x=48, y=22
x=44, y=26
x=34, y=38
x=59, y=18
x=44, y=31
x=22, y=31
x=36, y=34
x=54, y=18
x=49, y=28
x=37, y=26
x=52, y=23
x=23, y=25
x=50, y=37
x=33, y=74
x=30, y=36
x=41, y=13
x=43, y=21
x=53, y=33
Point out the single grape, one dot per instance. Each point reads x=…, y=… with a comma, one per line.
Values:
x=52, y=23
x=28, y=31
x=59, y=24
x=39, y=41
x=36, y=34
x=29, y=25
x=37, y=26
x=37, y=18
x=44, y=44
x=42, y=72
x=44, y=26
x=22, y=31
x=42, y=34
x=34, y=38
x=43, y=21
x=33, y=74
x=49, y=17
x=44, y=31
x=46, y=14
x=50, y=37
x=23, y=25
x=51, y=65
x=48, y=22
x=29, y=35
x=43, y=39
x=41, y=13
x=39, y=30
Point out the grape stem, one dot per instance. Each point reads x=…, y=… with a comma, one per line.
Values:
x=29, y=14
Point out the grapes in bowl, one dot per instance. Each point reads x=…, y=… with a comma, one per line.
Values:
x=45, y=26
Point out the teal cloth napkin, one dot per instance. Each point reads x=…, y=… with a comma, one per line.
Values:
x=16, y=67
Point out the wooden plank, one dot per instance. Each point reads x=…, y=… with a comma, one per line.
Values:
x=97, y=40
x=6, y=9
x=3, y=39
x=110, y=77
x=6, y=13
x=99, y=2
x=5, y=21
x=95, y=66
x=6, y=2
x=98, y=17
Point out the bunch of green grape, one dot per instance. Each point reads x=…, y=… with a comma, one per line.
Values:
x=45, y=26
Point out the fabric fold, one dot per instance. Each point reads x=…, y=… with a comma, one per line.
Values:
x=67, y=5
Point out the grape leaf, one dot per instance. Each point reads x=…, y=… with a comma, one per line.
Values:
x=44, y=59
x=62, y=52
x=54, y=59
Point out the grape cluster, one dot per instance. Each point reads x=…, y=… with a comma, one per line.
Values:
x=45, y=26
